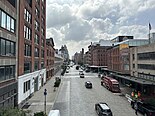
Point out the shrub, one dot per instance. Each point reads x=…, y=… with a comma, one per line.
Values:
x=39, y=114
x=13, y=111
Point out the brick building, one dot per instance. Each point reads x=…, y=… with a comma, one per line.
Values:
x=99, y=52
x=32, y=48
x=50, y=58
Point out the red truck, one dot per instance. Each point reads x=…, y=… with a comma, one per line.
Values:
x=111, y=84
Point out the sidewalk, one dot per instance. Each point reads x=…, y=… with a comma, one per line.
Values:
x=38, y=99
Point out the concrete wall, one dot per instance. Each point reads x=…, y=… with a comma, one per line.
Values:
x=30, y=76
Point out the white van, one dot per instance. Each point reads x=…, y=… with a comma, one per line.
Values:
x=54, y=113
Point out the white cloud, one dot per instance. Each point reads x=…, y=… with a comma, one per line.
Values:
x=101, y=25
x=59, y=15
x=138, y=31
x=76, y=23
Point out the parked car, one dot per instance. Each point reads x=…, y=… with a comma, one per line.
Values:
x=102, y=109
x=77, y=67
x=145, y=108
x=82, y=75
x=88, y=84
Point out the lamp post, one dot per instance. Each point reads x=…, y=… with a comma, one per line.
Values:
x=45, y=93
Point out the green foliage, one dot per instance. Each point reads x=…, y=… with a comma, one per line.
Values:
x=39, y=114
x=13, y=112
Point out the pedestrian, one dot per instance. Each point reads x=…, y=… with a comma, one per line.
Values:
x=136, y=108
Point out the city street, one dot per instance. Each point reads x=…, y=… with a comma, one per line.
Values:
x=75, y=99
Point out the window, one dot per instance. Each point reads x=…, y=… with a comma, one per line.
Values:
x=42, y=42
x=12, y=46
x=7, y=48
x=27, y=51
x=43, y=10
x=146, y=66
x=133, y=65
x=27, y=33
x=26, y=86
x=27, y=67
x=29, y=2
x=38, y=1
x=146, y=56
x=36, y=26
x=42, y=32
x=2, y=46
x=43, y=21
x=36, y=66
x=7, y=72
x=36, y=52
x=27, y=16
x=3, y=20
x=7, y=22
x=12, y=2
x=36, y=39
x=42, y=64
x=37, y=12
x=133, y=56
x=42, y=53
x=8, y=45
x=2, y=73
x=12, y=71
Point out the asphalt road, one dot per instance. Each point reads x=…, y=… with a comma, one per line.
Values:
x=76, y=100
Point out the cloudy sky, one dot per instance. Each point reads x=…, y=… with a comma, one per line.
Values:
x=77, y=23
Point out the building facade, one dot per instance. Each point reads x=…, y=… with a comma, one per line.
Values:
x=32, y=48
x=99, y=52
x=8, y=53
x=142, y=62
x=58, y=62
x=50, y=58
x=64, y=53
x=99, y=55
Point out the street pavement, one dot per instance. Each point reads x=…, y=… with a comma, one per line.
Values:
x=75, y=100
x=37, y=101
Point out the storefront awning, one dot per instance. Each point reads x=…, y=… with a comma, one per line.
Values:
x=135, y=79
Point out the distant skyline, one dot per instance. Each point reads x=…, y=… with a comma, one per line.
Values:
x=77, y=23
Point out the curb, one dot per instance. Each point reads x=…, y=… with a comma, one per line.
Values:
x=56, y=96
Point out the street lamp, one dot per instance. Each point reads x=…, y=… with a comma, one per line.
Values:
x=45, y=93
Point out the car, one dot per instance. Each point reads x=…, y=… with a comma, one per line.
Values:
x=77, y=67
x=80, y=72
x=88, y=84
x=82, y=75
x=102, y=109
x=145, y=108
